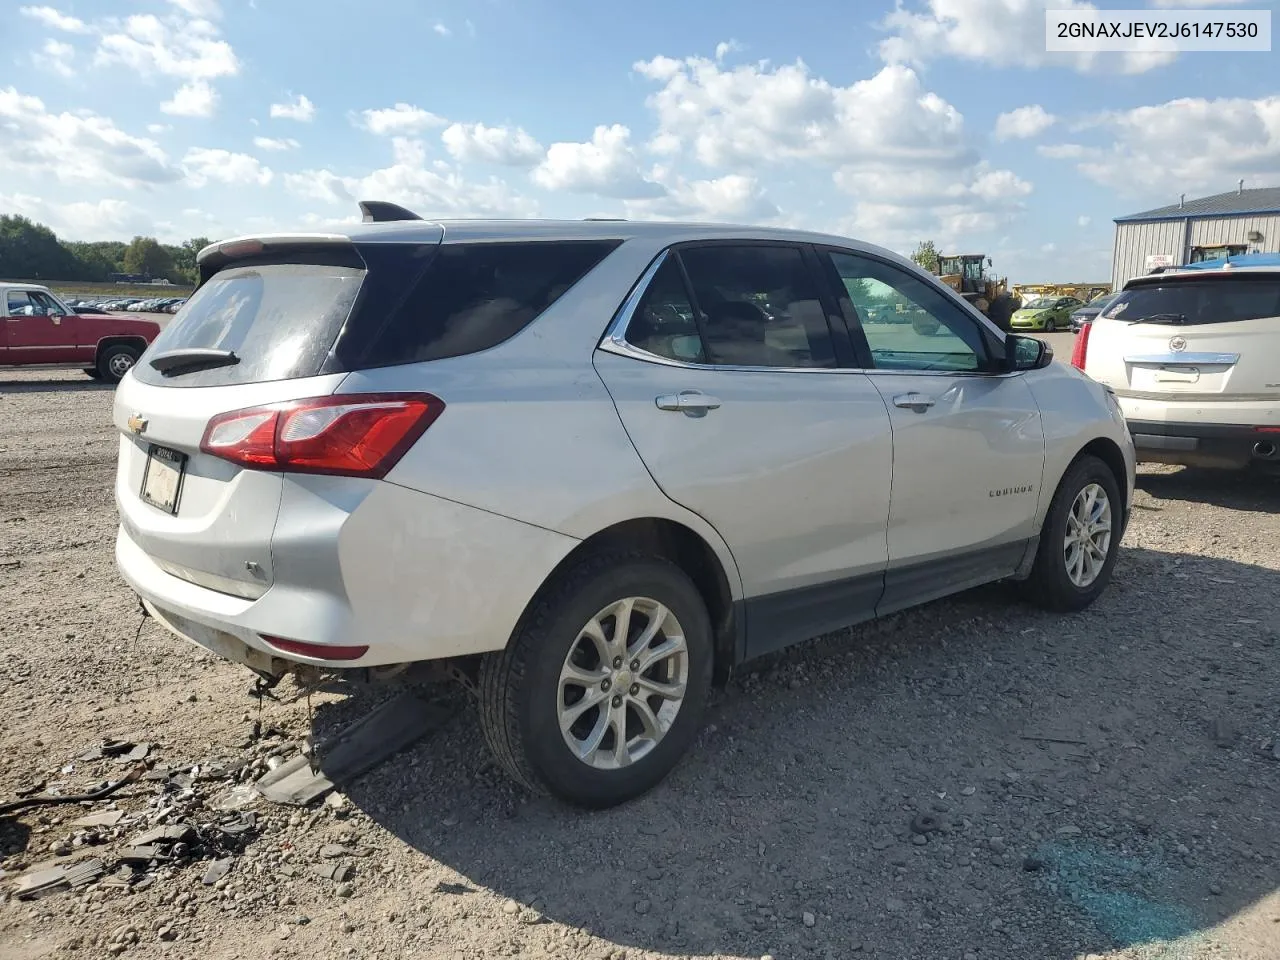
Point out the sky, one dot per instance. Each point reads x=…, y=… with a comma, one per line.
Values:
x=889, y=122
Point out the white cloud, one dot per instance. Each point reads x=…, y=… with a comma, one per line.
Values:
x=202, y=165
x=158, y=127
x=605, y=166
x=193, y=99
x=1064, y=151
x=268, y=143
x=947, y=205
x=733, y=197
x=190, y=49
x=75, y=147
x=55, y=19
x=442, y=30
x=754, y=114
x=401, y=119
x=82, y=220
x=999, y=32
x=1024, y=123
x=476, y=143
x=439, y=192
x=726, y=47
x=56, y=57
x=1194, y=142
x=1083, y=221
x=300, y=109
x=207, y=9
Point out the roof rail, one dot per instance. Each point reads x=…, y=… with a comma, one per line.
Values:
x=380, y=211
x=605, y=219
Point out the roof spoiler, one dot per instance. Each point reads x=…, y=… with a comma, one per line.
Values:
x=380, y=211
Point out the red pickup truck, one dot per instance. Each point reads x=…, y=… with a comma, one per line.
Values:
x=39, y=330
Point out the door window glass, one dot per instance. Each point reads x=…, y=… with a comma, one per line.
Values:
x=46, y=305
x=908, y=324
x=663, y=324
x=759, y=306
x=21, y=304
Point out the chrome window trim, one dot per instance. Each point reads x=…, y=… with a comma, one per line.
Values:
x=615, y=342
x=1205, y=359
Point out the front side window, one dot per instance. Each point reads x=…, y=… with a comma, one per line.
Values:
x=908, y=324
x=46, y=305
x=758, y=306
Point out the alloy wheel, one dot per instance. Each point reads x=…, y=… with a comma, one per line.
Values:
x=1088, y=535
x=622, y=683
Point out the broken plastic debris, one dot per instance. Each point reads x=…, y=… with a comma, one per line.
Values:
x=217, y=870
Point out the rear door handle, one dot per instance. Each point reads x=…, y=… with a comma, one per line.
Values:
x=914, y=401
x=690, y=402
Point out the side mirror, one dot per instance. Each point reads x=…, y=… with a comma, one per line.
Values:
x=1027, y=353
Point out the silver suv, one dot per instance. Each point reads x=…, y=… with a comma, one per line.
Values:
x=595, y=465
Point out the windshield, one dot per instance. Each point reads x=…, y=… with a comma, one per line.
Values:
x=1201, y=300
x=1040, y=303
x=1101, y=303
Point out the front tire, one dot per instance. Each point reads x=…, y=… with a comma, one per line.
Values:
x=1050, y=326
x=92, y=373
x=115, y=362
x=1080, y=539
x=603, y=686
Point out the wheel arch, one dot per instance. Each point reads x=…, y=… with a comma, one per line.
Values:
x=1108, y=451
x=120, y=340
x=688, y=550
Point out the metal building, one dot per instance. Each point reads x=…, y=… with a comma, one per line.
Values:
x=1189, y=231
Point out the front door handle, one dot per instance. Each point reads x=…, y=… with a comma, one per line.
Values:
x=914, y=401
x=690, y=402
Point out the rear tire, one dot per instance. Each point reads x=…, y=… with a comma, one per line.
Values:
x=1068, y=575
x=531, y=702
x=115, y=362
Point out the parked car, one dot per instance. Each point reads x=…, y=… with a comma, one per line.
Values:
x=1194, y=356
x=40, y=330
x=1045, y=313
x=592, y=465
x=1083, y=314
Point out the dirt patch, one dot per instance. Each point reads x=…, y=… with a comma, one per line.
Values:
x=972, y=779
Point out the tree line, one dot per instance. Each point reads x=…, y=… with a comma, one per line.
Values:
x=31, y=251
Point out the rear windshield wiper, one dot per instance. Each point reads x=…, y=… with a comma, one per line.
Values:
x=1160, y=318
x=174, y=363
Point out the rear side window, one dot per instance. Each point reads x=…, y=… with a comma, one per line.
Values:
x=753, y=305
x=377, y=305
x=467, y=298
x=1199, y=301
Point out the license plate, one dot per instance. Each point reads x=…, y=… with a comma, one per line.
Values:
x=162, y=480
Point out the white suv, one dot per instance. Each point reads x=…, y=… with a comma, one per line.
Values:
x=593, y=465
x=1194, y=356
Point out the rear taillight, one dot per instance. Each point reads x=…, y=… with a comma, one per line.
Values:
x=356, y=435
x=1080, y=351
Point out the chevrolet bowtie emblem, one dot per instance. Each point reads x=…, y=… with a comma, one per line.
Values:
x=137, y=423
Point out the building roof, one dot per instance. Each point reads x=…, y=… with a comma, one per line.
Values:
x=1234, y=203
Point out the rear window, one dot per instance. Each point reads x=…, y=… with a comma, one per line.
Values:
x=392, y=304
x=1199, y=301
x=279, y=319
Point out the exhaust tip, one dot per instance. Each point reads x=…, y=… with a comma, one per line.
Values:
x=1265, y=450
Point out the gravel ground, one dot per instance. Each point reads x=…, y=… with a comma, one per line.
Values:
x=974, y=779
